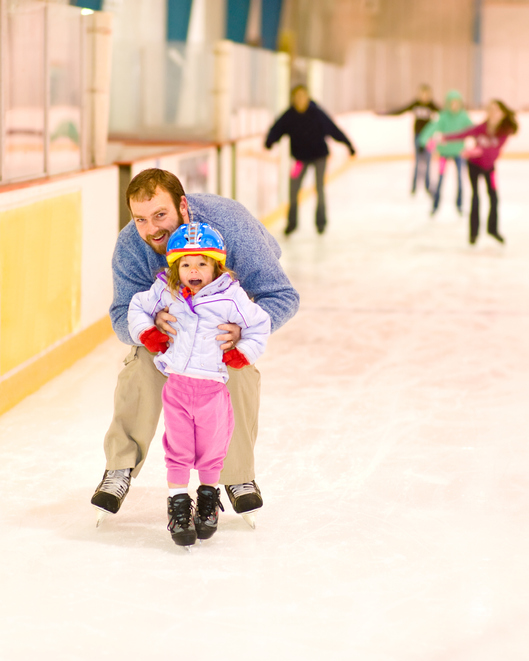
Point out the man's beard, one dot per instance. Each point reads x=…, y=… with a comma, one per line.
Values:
x=161, y=248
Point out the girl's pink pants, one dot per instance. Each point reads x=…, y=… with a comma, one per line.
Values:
x=198, y=428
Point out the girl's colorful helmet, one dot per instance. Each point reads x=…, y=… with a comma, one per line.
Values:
x=196, y=239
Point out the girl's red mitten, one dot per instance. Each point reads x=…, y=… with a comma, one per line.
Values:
x=235, y=359
x=154, y=340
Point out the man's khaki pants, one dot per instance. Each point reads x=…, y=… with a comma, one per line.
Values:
x=137, y=407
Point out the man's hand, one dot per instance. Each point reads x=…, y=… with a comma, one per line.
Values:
x=230, y=337
x=162, y=323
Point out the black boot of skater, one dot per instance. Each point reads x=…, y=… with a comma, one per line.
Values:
x=181, y=524
x=290, y=228
x=244, y=497
x=207, y=512
x=111, y=491
x=497, y=236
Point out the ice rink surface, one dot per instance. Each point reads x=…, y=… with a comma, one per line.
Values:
x=392, y=456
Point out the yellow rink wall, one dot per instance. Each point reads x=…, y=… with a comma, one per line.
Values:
x=56, y=243
x=44, y=277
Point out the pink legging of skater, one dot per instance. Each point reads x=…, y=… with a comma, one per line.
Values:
x=198, y=428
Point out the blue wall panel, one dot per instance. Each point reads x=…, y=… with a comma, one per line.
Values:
x=178, y=14
x=96, y=5
x=270, y=17
x=236, y=20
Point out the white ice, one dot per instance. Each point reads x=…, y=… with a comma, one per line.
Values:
x=392, y=456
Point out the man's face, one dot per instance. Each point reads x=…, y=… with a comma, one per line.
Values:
x=156, y=219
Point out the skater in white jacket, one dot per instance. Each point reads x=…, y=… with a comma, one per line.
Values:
x=201, y=293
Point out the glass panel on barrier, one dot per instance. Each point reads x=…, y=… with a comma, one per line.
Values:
x=189, y=71
x=64, y=123
x=25, y=92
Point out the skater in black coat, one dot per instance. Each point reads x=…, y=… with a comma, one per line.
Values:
x=307, y=126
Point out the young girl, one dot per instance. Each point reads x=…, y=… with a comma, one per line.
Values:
x=490, y=136
x=452, y=118
x=201, y=293
x=423, y=108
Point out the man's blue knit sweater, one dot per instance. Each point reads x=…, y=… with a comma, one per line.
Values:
x=252, y=252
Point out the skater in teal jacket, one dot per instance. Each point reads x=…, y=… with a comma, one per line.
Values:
x=451, y=119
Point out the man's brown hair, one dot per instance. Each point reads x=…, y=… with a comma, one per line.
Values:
x=144, y=185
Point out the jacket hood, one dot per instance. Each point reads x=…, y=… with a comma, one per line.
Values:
x=451, y=95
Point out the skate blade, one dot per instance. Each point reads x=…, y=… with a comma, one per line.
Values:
x=101, y=515
x=249, y=518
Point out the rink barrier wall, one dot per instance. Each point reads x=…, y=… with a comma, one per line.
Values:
x=241, y=169
x=57, y=236
x=246, y=171
x=52, y=362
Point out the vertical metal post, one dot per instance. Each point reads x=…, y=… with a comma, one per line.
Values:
x=477, y=59
x=234, y=170
x=83, y=64
x=3, y=86
x=47, y=90
x=219, y=166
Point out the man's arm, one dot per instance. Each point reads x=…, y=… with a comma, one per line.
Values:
x=133, y=271
x=253, y=254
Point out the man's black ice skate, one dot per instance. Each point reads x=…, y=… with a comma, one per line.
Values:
x=180, y=516
x=207, y=512
x=111, y=492
x=245, y=499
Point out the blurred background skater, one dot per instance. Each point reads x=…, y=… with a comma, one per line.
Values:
x=452, y=118
x=489, y=138
x=423, y=108
x=307, y=125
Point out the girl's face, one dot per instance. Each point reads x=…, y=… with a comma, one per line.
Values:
x=196, y=271
x=455, y=105
x=495, y=113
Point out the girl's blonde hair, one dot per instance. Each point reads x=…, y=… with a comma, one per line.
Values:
x=173, y=275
